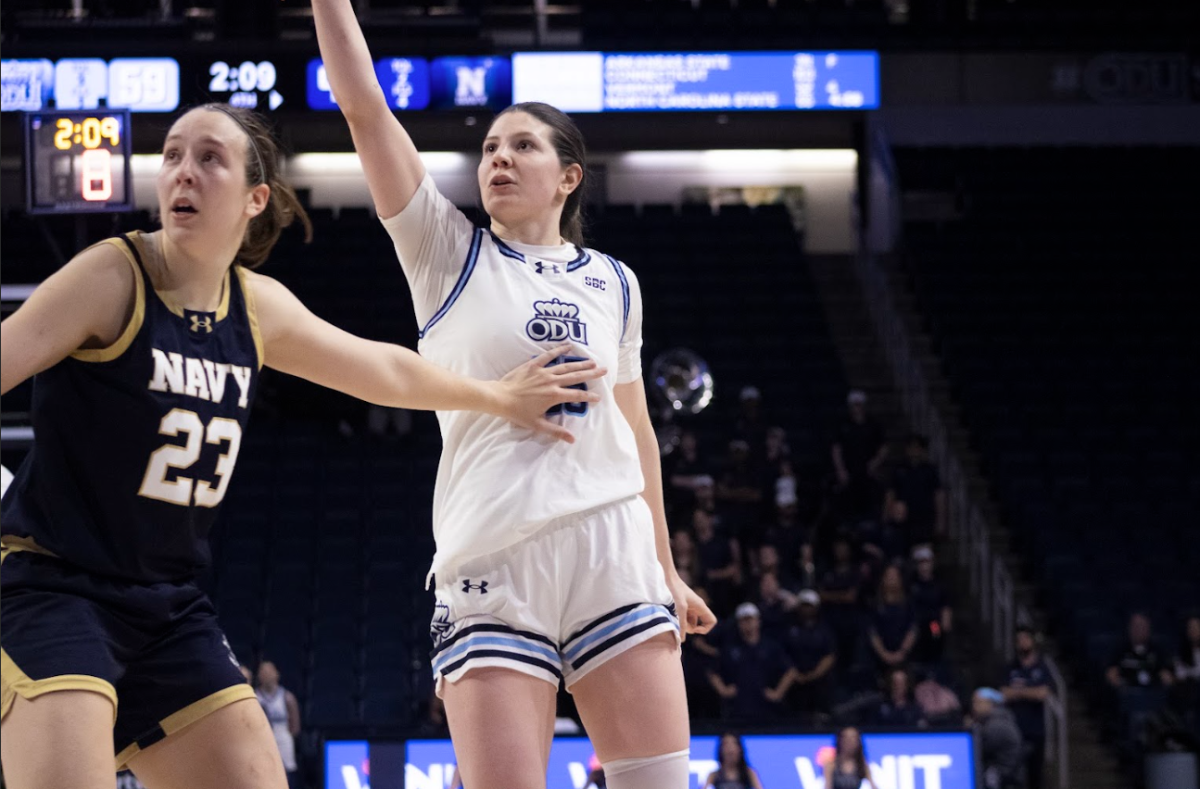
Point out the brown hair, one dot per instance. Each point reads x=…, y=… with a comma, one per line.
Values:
x=262, y=167
x=859, y=758
x=568, y=143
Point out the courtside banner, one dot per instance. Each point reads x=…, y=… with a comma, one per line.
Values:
x=918, y=760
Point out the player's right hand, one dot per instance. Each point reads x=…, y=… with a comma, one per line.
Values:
x=532, y=389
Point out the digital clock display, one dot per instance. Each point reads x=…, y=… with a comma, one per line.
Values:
x=77, y=162
x=244, y=82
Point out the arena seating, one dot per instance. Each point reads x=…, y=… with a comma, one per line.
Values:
x=1061, y=309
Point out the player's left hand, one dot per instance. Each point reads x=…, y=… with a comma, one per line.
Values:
x=532, y=389
x=694, y=614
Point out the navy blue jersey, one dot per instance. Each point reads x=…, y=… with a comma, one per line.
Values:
x=135, y=443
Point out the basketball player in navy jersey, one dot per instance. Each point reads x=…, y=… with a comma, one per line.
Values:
x=146, y=351
x=553, y=563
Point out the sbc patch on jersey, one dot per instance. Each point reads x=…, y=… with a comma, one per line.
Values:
x=556, y=321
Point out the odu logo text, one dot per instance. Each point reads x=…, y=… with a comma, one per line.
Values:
x=556, y=321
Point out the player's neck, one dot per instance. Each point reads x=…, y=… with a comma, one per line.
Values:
x=538, y=233
x=186, y=279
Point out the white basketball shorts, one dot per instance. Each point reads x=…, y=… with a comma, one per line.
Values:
x=558, y=604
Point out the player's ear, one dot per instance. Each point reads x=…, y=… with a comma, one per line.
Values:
x=571, y=178
x=259, y=197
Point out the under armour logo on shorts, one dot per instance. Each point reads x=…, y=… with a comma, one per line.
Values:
x=481, y=586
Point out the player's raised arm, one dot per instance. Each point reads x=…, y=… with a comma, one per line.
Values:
x=296, y=341
x=88, y=303
x=390, y=160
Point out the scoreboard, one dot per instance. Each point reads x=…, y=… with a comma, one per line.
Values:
x=77, y=162
x=295, y=81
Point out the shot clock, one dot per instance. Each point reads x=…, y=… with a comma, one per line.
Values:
x=77, y=162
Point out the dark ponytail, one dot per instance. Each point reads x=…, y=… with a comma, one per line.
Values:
x=262, y=167
x=568, y=143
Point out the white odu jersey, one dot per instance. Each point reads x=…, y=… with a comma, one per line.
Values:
x=486, y=306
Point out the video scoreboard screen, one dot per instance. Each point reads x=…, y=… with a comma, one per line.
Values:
x=573, y=81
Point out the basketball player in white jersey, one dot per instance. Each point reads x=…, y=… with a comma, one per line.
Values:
x=552, y=562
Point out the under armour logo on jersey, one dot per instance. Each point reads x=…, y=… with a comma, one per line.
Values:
x=556, y=321
x=542, y=268
x=481, y=586
x=201, y=323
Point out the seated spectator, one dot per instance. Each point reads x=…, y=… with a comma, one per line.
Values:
x=898, y=707
x=999, y=740
x=768, y=562
x=931, y=606
x=740, y=493
x=1185, y=695
x=733, y=772
x=705, y=492
x=775, y=605
x=859, y=450
x=777, y=452
x=883, y=541
x=840, y=599
x=812, y=648
x=684, y=553
x=1139, y=663
x=283, y=712
x=806, y=568
x=751, y=424
x=917, y=484
x=684, y=470
x=1027, y=686
x=893, y=628
x=1187, y=662
x=939, y=704
x=720, y=562
x=785, y=531
x=754, y=672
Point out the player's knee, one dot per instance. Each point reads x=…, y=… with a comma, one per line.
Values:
x=667, y=771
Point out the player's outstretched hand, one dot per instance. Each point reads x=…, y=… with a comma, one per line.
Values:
x=532, y=389
x=694, y=614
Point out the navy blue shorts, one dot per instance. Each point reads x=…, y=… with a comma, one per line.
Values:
x=154, y=650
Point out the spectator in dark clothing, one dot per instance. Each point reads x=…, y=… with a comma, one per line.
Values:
x=740, y=494
x=775, y=606
x=751, y=425
x=1186, y=692
x=859, y=451
x=1026, y=687
x=807, y=576
x=1139, y=663
x=883, y=541
x=898, y=707
x=917, y=484
x=999, y=740
x=754, y=672
x=684, y=553
x=893, y=632
x=777, y=452
x=840, y=589
x=811, y=647
x=684, y=469
x=767, y=560
x=785, y=530
x=931, y=605
x=720, y=562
